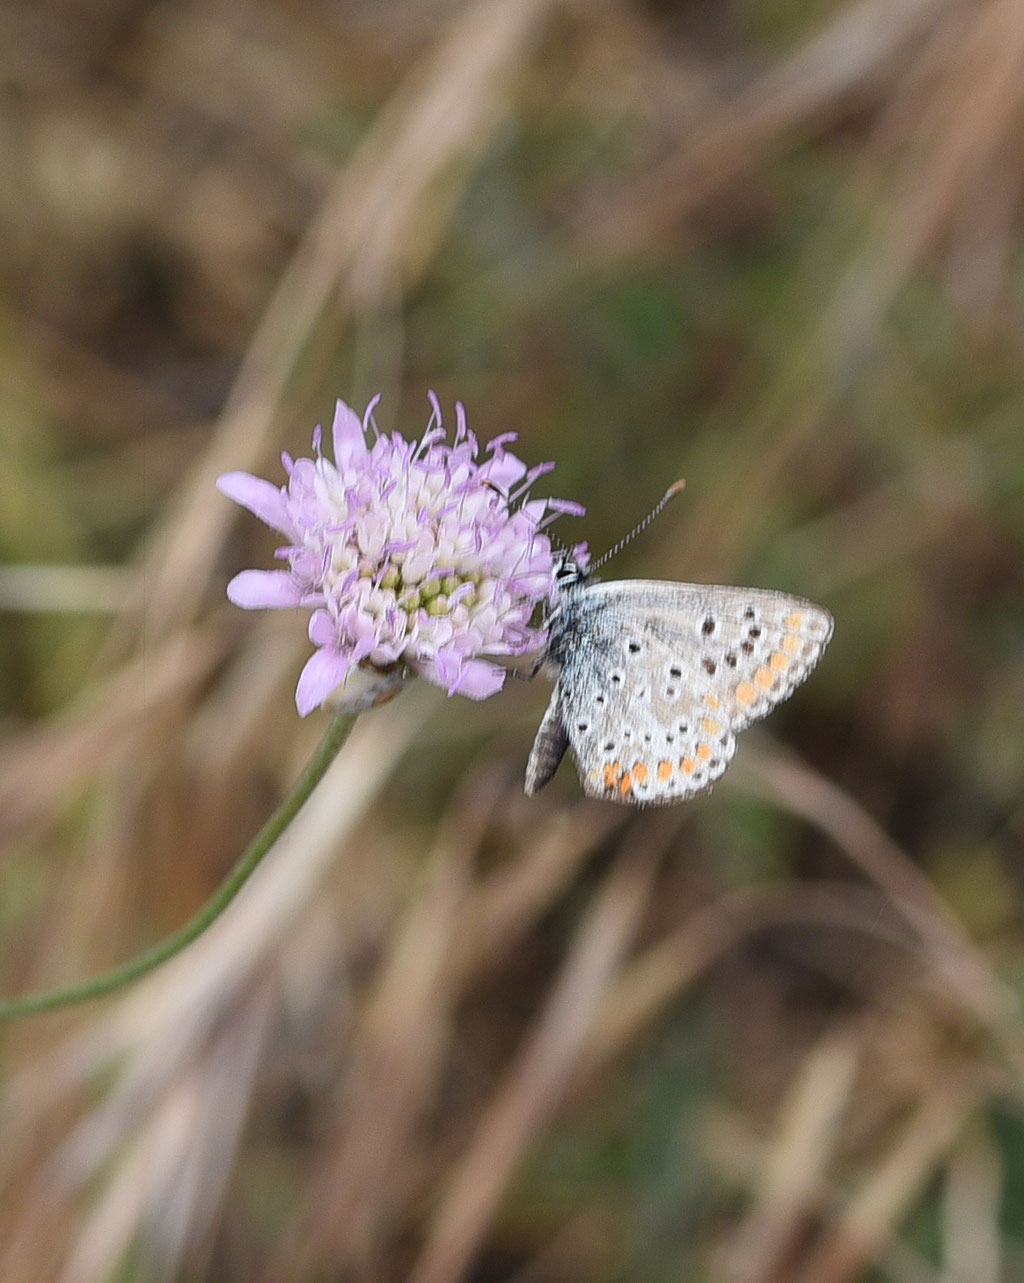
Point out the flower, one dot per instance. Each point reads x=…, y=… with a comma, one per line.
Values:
x=418, y=555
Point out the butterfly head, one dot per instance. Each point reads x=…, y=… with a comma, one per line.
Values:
x=572, y=568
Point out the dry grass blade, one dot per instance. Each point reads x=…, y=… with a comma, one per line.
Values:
x=948, y=949
x=43, y=766
x=397, y=1048
x=456, y=927
x=157, y=1032
x=798, y=1159
x=176, y=1156
x=540, y=1074
x=65, y=589
x=975, y=1177
x=662, y=974
x=865, y=1227
x=191, y=990
x=867, y=41
x=952, y=148
x=512, y=898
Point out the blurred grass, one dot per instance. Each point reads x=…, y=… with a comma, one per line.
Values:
x=774, y=1036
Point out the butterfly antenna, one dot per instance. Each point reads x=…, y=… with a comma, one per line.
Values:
x=670, y=493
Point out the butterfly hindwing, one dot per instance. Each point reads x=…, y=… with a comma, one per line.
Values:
x=655, y=679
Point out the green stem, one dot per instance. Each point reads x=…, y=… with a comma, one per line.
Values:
x=49, y=1000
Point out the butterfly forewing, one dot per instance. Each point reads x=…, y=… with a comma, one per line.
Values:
x=655, y=678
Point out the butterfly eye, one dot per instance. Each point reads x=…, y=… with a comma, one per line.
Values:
x=568, y=573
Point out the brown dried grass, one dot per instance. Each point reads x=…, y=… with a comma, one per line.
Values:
x=431, y=983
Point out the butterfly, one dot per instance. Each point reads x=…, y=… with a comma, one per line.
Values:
x=654, y=679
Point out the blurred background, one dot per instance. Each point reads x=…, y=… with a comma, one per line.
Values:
x=449, y=1033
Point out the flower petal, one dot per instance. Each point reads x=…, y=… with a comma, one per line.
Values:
x=261, y=497
x=323, y=631
x=567, y=507
x=323, y=673
x=534, y=510
x=478, y=679
x=347, y=430
x=503, y=471
x=473, y=677
x=264, y=590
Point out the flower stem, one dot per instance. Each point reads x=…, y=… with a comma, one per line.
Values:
x=50, y=1000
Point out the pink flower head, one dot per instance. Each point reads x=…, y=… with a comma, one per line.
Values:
x=413, y=554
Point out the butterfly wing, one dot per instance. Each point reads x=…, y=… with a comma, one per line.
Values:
x=657, y=679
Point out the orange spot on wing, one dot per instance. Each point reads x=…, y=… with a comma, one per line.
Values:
x=687, y=765
x=611, y=774
x=711, y=727
x=794, y=621
x=745, y=694
x=703, y=751
x=712, y=702
x=790, y=643
x=626, y=783
x=764, y=678
x=640, y=773
x=779, y=662
x=664, y=771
